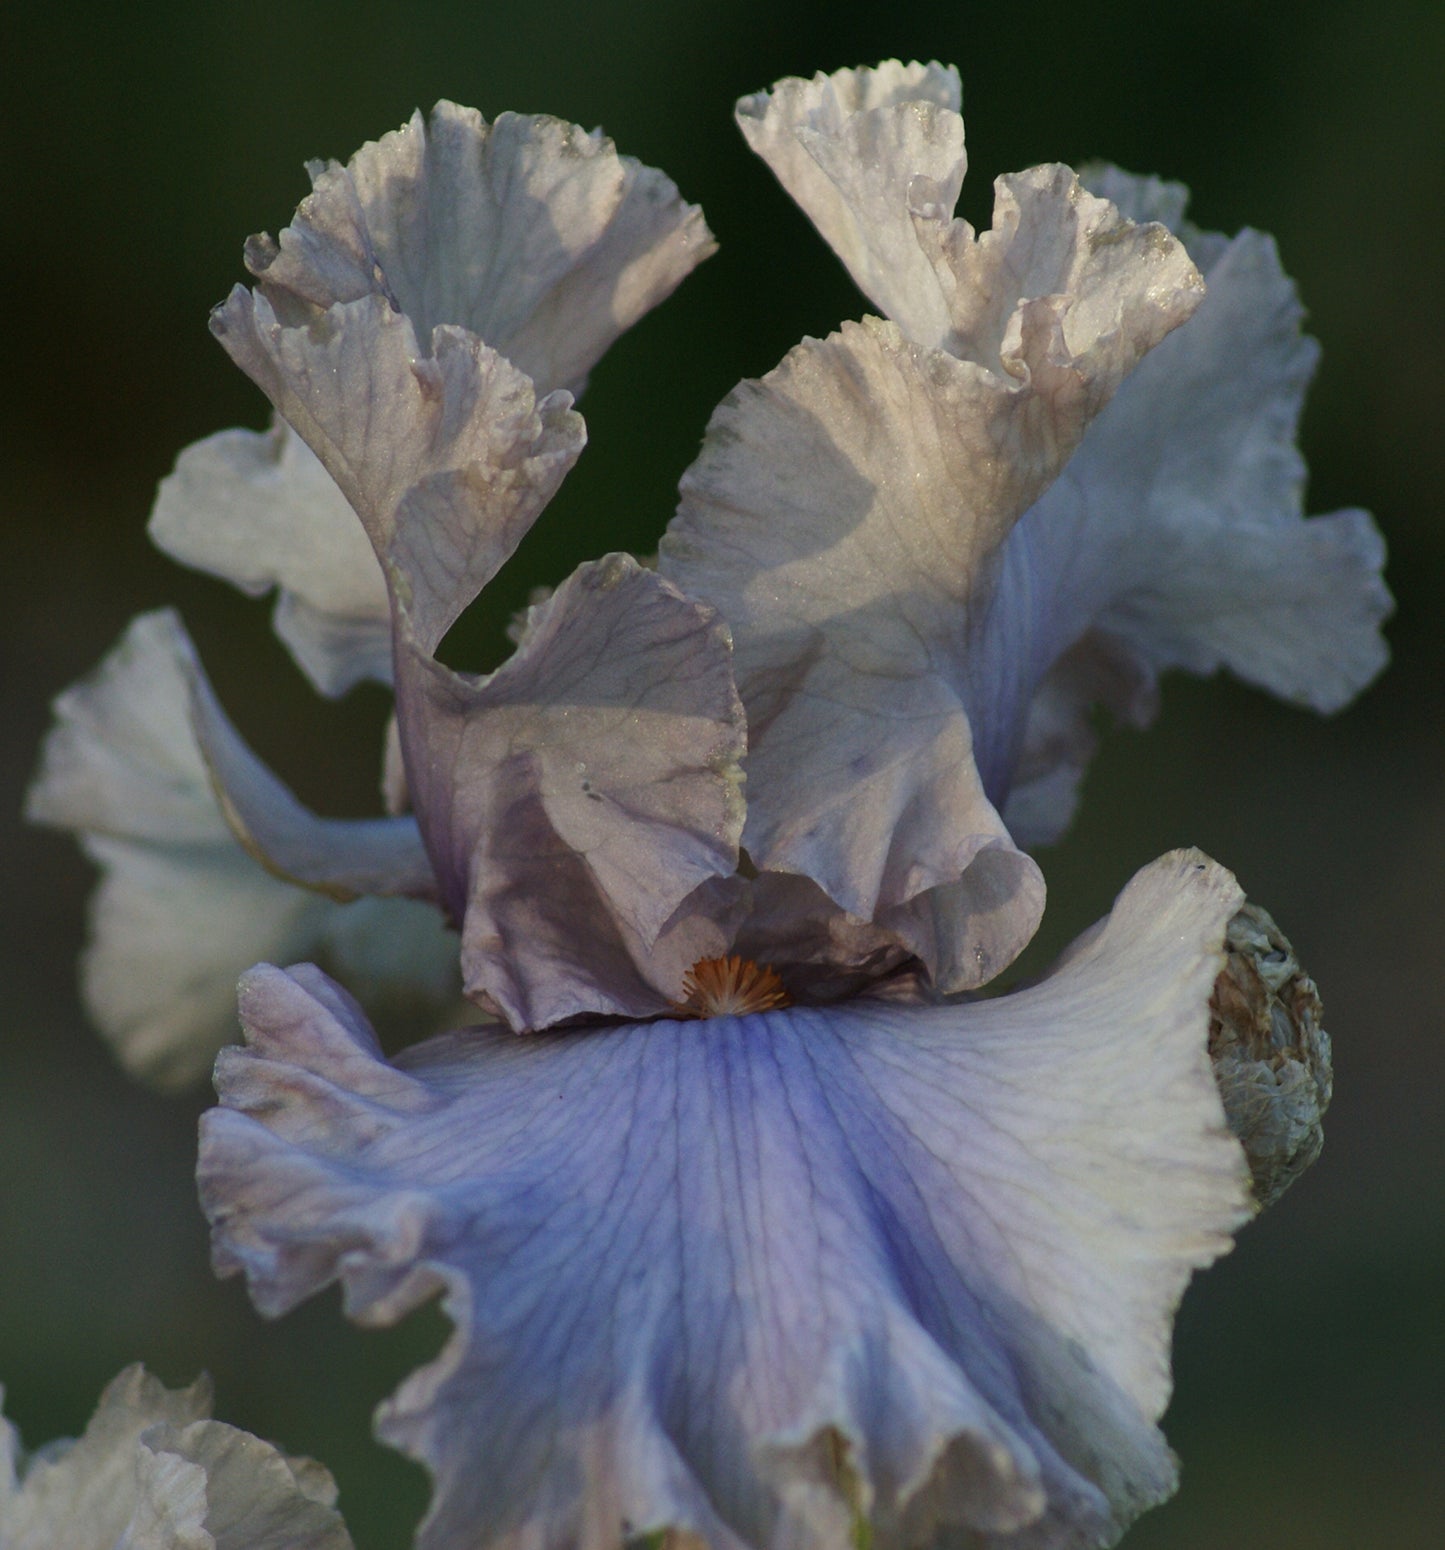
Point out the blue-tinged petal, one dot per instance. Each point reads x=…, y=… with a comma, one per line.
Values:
x=843, y=516
x=258, y=509
x=529, y=232
x=875, y=158
x=848, y=148
x=778, y=1280
x=448, y=457
x=846, y=516
x=343, y=858
x=182, y=907
x=153, y=1473
x=1176, y=536
x=574, y=801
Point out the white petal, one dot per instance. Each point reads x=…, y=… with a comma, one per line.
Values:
x=1176, y=538
x=529, y=232
x=574, y=800
x=343, y=858
x=80, y=1494
x=845, y=517
x=447, y=458
x=759, y=1278
x=252, y=1497
x=259, y=510
x=182, y=908
x=152, y=1473
x=848, y=147
x=842, y=517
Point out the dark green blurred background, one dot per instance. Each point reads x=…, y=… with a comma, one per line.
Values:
x=146, y=141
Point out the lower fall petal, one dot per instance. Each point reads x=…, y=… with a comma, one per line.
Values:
x=771, y=1280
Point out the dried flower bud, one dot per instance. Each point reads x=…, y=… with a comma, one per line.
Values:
x=1271, y=1053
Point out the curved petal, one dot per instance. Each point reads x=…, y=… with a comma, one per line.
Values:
x=182, y=908
x=1176, y=536
x=447, y=458
x=343, y=858
x=848, y=148
x=844, y=517
x=529, y=232
x=575, y=799
x=152, y=1473
x=774, y=1280
x=875, y=158
x=259, y=510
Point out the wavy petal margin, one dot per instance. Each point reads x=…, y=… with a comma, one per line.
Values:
x=845, y=516
x=153, y=1473
x=183, y=907
x=576, y=799
x=530, y=233
x=257, y=509
x=854, y=150
x=769, y=1281
x=448, y=458
x=1176, y=537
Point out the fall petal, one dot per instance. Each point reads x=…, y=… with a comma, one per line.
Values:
x=529, y=232
x=763, y=1278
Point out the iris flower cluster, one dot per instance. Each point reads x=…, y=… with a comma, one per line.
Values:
x=758, y=1221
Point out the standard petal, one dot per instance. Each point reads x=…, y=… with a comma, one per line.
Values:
x=447, y=458
x=575, y=799
x=529, y=232
x=843, y=518
x=848, y=148
x=777, y=1280
x=1176, y=535
x=152, y=1473
x=846, y=516
x=182, y=908
x=258, y=509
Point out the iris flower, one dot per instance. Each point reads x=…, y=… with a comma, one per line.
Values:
x=755, y=1222
x=154, y=1472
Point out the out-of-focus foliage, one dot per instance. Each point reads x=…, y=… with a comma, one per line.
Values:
x=147, y=142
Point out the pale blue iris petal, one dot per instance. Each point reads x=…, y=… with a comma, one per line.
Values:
x=1176, y=536
x=448, y=456
x=758, y=1277
x=258, y=509
x=528, y=232
x=576, y=800
x=135, y=770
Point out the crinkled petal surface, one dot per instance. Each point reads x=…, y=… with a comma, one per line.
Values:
x=529, y=233
x=855, y=149
x=152, y=1473
x=448, y=457
x=845, y=516
x=576, y=798
x=182, y=907
x=1176, y=537
x=759, y=1278
x=258, y=509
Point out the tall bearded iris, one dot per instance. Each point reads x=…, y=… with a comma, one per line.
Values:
x=751, y=1226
